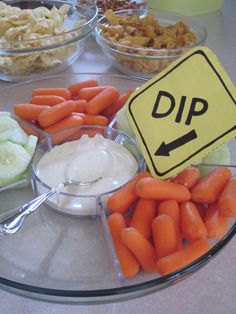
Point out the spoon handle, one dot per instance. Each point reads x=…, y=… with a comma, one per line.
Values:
x=12, y=224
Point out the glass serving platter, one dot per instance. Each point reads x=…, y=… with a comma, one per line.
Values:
x=70, y=259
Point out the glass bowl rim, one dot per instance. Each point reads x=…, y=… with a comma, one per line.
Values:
x=84, y=32
x=108, y=43
x=166, y=279
x=67, y=75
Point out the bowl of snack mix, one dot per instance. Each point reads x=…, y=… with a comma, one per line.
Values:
x=41, y=37
x=142, y=42
x=117, y=5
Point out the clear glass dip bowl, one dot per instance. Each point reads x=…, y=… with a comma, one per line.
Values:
x=102, y=150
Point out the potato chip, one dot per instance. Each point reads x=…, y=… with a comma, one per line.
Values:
x=19, y=25
x=139, y=41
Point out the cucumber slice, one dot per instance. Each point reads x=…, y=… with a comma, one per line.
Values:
x=31, y=144
x=11, y=131
x=14, y=160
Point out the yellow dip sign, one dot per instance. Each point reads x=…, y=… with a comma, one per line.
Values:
x=183, y=113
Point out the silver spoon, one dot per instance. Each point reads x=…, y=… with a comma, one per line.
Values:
x=12, y=225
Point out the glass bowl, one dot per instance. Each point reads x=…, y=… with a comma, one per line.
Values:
x=141, y=60
x=109, y=157
x=71, y=259
x=30, y=49
x=103, y=6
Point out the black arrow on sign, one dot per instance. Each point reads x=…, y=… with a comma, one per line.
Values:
x=164, y=149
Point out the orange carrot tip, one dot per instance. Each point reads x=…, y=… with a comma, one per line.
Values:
x=90, y=119
x=74, y=88
x=164, y=235
x=121, y=200
x=187, y=177
x=80, y=105
x=87, y=93
x=29, y=112
x=227, y=200
x=118, y=104
x=210, y=186
x=128, y=262
x=143, y=214
x=192, y=225
x=102, y=101
x=216, y=224
x=48, y=100
x=171, y=208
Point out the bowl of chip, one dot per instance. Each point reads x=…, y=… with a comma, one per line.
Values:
x=42, y=37
x=142, y=42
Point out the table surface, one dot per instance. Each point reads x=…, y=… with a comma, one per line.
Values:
x=213, y=288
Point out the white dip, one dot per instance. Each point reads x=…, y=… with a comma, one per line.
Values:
x=85, y=160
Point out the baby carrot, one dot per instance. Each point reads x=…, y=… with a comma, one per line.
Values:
x=140, y=247
x=120, y=102
x=74, y=88
x=68, y=122
x=31, y=130
x=29, y=111
x=102, y=101
x=80, y=105
x=56, y=113
x=201, y=209
x=215, y=223
x=210, y=186
x=127, y=220
x=187, y=177
x=182, y=258
x=128, y=262
x=90, y=119
x=191, y=223
x=171, y=208
x=143, y=214
x=124, y=197
x=162, y=190
x=88, y=93
x=58, y=91
x=227, y=200
x=164, y=235
x=48, y=100
x=66, y=128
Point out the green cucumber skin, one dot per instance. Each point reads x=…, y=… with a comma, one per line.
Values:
x=28, y=142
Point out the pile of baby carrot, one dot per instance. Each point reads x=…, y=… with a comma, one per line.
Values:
x=81, y=103
x=171, y=221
